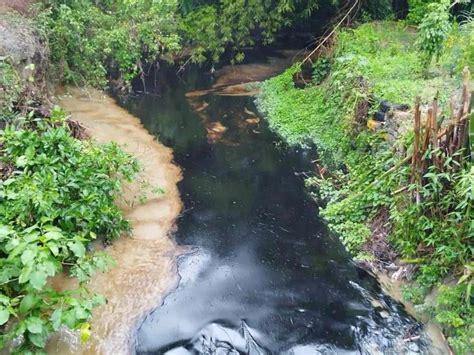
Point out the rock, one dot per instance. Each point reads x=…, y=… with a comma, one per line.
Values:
x=18, y=5
x=25, y=54
x=399, y=274
x=19, y=41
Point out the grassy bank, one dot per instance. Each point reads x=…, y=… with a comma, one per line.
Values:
x=363, y=184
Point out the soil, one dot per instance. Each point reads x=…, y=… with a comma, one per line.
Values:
x=27, y=53
x=21, y=6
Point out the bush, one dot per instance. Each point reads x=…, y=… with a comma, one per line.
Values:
x=56, y=197
x=92, y=40
x=89, y=41
x=433, y=30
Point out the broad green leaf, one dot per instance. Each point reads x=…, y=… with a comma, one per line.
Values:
x=21, y=161
x=4, y=299
x=38, y=339
x=81, y=313
x=38, y=279
x=28, y=302
x=53, y=235
x=49, y=267
x=25, y=274
x=31, y=236
x=4, y=315
x=69, y=318
x=34, y=325
x=17, y=250
x=56, y=318
x=28, y=255
x=54, y=248
x=8, y=181
x=30, y=152
x=5, y=231
x=77, y=248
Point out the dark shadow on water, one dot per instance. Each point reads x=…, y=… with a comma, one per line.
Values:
x=265, y=276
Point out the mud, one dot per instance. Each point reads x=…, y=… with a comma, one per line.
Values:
x=146, y=261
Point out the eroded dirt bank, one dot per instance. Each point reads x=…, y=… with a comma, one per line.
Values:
x=145, y=262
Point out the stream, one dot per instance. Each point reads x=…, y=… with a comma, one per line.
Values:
x=262, y=274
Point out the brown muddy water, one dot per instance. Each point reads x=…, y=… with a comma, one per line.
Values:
x=146, y=261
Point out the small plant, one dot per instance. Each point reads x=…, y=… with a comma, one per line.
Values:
x=321, y=69
x=433, y=31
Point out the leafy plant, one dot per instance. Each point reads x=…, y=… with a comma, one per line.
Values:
x=417, y=9
x=321, y=69
x=57, y=197
x=10, y=88
x=433, y=30
x=91, y=41
x=455, y=313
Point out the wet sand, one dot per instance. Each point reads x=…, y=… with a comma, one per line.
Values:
x=145, y=263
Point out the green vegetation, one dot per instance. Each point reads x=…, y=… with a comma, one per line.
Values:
x=57, y=195
x=10, y=89
x=92, y=40
x=87, y=40
x=57, y=192
x=433, y=30
x=372, y=62
x=366, y=176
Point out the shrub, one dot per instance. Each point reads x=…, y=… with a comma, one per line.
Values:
x=56, y=197
x=433, y=30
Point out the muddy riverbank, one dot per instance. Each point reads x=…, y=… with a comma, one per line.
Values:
x=145, y=262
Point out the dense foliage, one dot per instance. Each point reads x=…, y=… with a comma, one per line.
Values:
x=90, y=39
x=375, y=61
x=56, y=196
x=371, y=63
x=433, y=30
